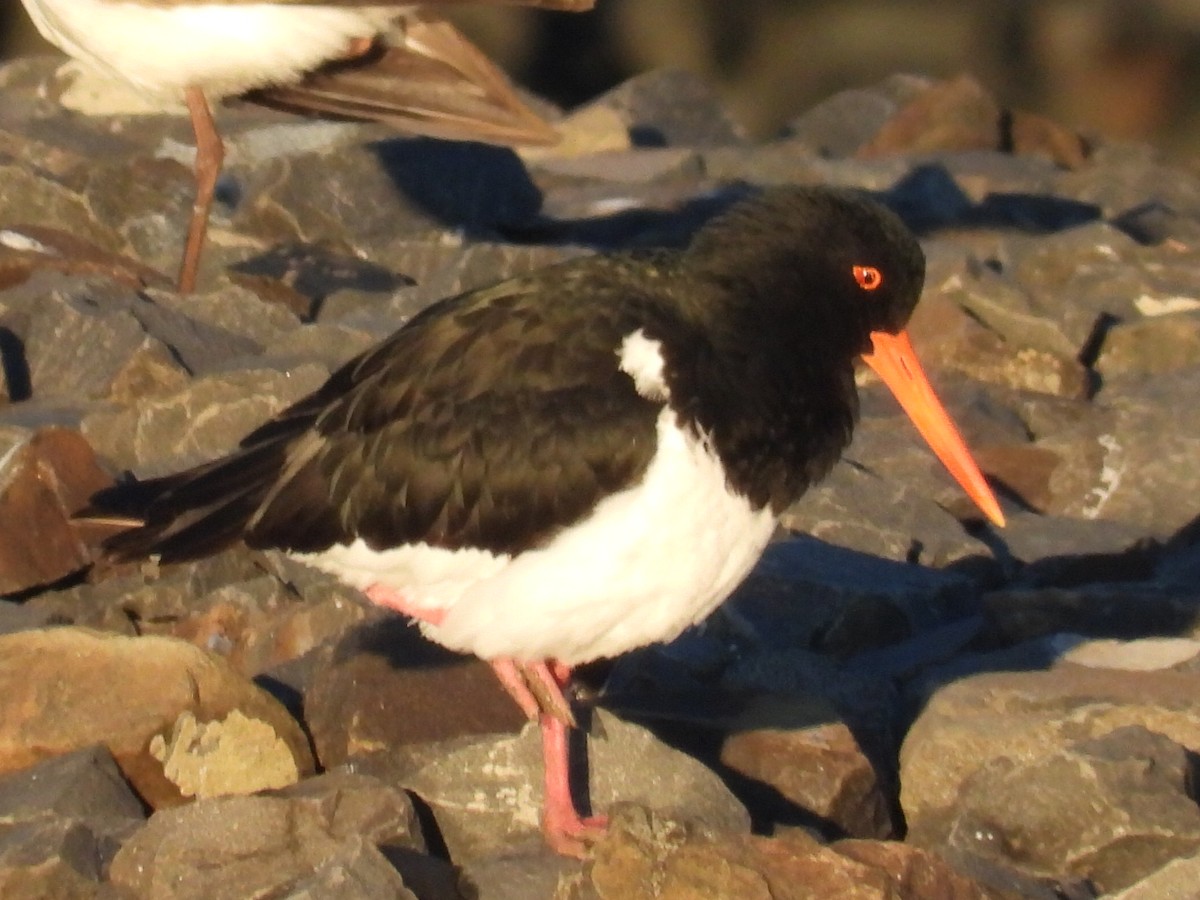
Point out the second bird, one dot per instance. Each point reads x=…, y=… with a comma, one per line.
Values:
x=404, y=65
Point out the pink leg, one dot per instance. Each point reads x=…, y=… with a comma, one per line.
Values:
x=566, y=831
x=516, y=686
x=537, y=689
x=210, y=154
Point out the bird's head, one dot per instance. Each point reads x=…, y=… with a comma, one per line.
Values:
x=838, y=274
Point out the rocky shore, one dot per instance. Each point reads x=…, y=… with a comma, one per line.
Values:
x=901, y=702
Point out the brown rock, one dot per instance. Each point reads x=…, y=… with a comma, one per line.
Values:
x=383, y=686
x=66, y=688
x=1023, y=469
x=43, y=480
x=951, y=337
x=202, y=420
x=648, y=856
x=914, y=872
x=30, y=248
x=255, y=624
x=1030, y=133
x=821, y=769
x=1151, y=346
x=22, y=190
x=948, y=115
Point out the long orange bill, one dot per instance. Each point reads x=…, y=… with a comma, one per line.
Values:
x=896, y=363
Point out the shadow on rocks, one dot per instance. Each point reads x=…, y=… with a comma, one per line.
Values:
x=929, y=199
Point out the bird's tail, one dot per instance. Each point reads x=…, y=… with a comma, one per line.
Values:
x=183, y=516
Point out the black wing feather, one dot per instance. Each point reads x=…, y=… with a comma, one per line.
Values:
x=490, y=420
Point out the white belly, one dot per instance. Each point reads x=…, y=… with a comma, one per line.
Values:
x=225, y=50
x=647, y=563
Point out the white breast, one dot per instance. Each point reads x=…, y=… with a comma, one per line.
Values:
x=224, y=49
x=648, y=562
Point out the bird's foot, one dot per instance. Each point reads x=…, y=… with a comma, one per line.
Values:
x=566, y=831
x=570, y=834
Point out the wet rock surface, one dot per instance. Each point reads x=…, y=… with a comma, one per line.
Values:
x=900, y=702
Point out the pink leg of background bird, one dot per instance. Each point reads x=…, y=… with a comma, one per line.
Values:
x=210, y=155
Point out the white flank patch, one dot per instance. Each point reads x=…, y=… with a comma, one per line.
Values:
x=647, y=563
x=641, y=359
x=224, y=49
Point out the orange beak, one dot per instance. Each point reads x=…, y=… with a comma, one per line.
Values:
x=894, y=360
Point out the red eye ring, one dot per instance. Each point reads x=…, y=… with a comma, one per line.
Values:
x=869, y=278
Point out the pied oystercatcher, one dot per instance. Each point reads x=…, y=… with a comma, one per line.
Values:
x=573, y=463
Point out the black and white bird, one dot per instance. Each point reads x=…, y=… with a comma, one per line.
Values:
x=401, y=64
x=587, y=459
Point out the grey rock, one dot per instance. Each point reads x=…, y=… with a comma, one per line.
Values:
x=231, y=310
x=979, y=658
x=629, y=167
x=821, y=771
x=51, y=707
x=778, y=162
x=84, y=785
x=1061, y=551
x=235, y=847
x=671, y=107
x=50, y=858
x=1123, y=176
x=862, y=698
x=329, y=345
x=61, y=822
x=859, y=510
x=57, y=206
x=1158, y=221
x=355, y=871
x=352, y=803
x=74, y=340
x=485, y=792
x=21, y=617
x=1177, y=879
x=198, y=423
x=813, y=572
x=242, y=605
x=1029, y=716
x=532, y=875
x=846, y=121
x=1126, y=460
x=1128, y=789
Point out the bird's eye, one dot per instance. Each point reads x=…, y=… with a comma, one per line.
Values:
x=868, y=277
